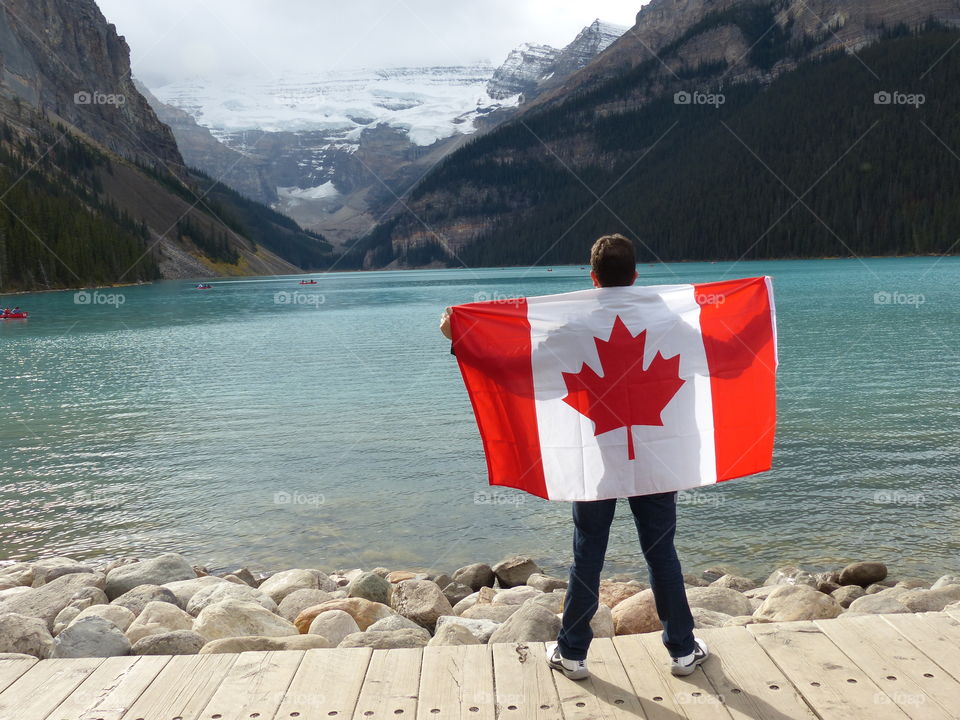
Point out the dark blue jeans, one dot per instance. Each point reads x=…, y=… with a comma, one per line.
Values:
x=656, y=519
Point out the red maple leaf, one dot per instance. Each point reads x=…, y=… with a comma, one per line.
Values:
x=626, y=394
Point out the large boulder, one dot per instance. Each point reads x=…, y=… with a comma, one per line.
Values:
x=514, y=571
x=878, y=603
x=253, y=642
x=552, y=601
x=545, y=583
x=238, y=618
x=734, y=582
x=497, y=613
x=475, y=576
x=421, y=601
x=455, y=592
x=703, y=618
x=45, y=571
x=453, y=635
x=137, y=599
x=184, y=590
x=175, y=642
x=719, y=599
x=17, y=575
x=531, y=623
x=119, y=616
x=797, y=602
x=791, y=575
x=387, y=639
x=602, y=623
x=90, y=637
x=26, y=635
x=299, y=600
x=46, y=601
x=159, y=618
x=281, y=584
x=165, y=568
x=930, y=600
x=393, y=622
x=466, y=603
x=613, y=593
x=846, y=594
x=334, y=625
x=636, y=614
x=365, y=612
x=480, y=628
x=218, y=592
x=370, y=586
x=863, y=573
x=516, y=595
x=945, y=580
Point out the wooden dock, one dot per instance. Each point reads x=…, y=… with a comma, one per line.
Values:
x=876, y=667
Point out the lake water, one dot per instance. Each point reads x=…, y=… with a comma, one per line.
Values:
x=333, y=430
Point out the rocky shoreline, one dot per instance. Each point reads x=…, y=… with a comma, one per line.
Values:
x=61, y=607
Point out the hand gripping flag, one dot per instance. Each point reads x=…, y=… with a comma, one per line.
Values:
x=622, y=391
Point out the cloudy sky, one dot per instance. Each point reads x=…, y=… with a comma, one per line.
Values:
x=176, y=39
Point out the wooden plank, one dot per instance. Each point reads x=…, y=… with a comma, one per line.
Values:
x=110, y=690
x=391, y=684
x=656, y=699
x=606, y=694
x=751, y=685
x=182, y=688
x=326, y=684
x=937, y=634
x=254, y=686
x=953, y=612
x=829, y=681
x=524, y=682
x=10, y=670
x=456, y=683
x=44, y=686
x=914, y=681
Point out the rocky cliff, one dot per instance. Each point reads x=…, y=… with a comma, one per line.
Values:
x=522, y=71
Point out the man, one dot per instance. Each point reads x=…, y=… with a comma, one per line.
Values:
x=613, y=264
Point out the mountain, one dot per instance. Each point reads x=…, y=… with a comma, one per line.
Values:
x=705, y=150
x=95, y=189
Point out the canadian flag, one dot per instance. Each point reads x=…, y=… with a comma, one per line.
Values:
x=622, y=391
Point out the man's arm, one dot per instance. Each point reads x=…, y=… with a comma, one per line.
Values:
x=445, y=323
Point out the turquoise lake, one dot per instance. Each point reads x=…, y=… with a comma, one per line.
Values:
x=273, y=425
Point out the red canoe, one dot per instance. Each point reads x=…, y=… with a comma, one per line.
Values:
x=13, y=316
x=308, y=282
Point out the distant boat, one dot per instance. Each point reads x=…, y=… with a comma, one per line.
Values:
x=21, y=315
x=308, y=282
x=549, y=269
x=204, y=286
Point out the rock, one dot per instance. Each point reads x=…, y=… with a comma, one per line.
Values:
x=797, y=602
x=64, y=618
x=381, y=571
x=791, y=575
x=846, y=594
x=703, y=618
x=453, y=635
x=218, y=592
x=930, y=600
x=349, y=575
x=370, y=586
x=531, y=623
x=165, y=568
x=734, y=582
x=16, y=656
x=18, y=574
x=334, y=625
x=515, y=571
x=421, y=601
x=237, y=618
x=878, y=603
x=551, y=601
x=159, y=618
x=235, y=580
x=337, y=594
x=711, y=575
x=741, y=620
x=613, y=593
x=863, y=573
x=90, y=637
x=261, y=643
x=387, y=639
x=516, y=595
x=398, y=576
x=497, y=613
x=485, y=595
x=468, y=602
x=694, y=580
x=46, y=601
x=137, y=599
x=913, y=584
x=363, y=611
x=394, y=622
x=299, y=600
x=11, y=592
x=119, y=616
x=946, y=580
x=45, y=571
x=455, y=592
x=760, y=593
x=719, y=599
x=278, y=586
x=827, y=582
x=475, y=576
x=480, y=628
x=545, y=583
x=245, y=575
x=175, y=642
x=636, y=614
x=25, y=635
x=184, y=590
x=602, y=623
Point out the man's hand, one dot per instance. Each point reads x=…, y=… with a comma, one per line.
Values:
x=445, y=323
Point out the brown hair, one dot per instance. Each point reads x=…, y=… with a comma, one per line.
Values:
x=614, y=261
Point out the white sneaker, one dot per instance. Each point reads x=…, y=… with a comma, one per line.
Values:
x=686, y=665
x=573, y=669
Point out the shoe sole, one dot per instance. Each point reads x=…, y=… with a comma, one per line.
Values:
x=683, y=672
x=567, y=673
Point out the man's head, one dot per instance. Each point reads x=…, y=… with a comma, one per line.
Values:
x=613, y=262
